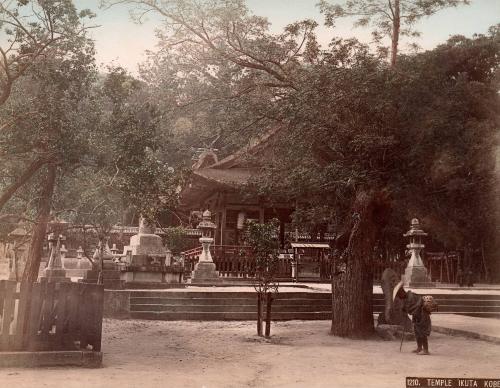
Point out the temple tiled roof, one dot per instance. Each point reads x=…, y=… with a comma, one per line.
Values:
x=230, y=177
x=232, y=172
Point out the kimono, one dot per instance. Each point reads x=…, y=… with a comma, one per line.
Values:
x=421, y=318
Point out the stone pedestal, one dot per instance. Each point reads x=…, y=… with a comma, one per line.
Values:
x=204, y=272
x=110, y=278
x=55, y=275
x=147, y=260
x=55, y=271
x=416, y=276
x=415, y=272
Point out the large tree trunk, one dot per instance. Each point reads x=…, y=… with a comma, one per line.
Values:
x=352, y=294
x=396, y=25
x=352, y=285
x=30, y=274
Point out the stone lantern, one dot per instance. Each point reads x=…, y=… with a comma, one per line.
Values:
x=416, y=273
x=204, y=270
x=55, y=271
x=207, y=227
x=17, y=240
x=64, y=252
x=79, y=256
x=79, y=253
x=114, y=250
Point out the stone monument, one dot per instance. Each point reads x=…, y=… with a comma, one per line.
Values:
x=107, y=256
x=147, y=260
x=79, y=256
x=415, y=272
x=17, y=254
x=393, y=321
x=55, y=271
x=204, y=271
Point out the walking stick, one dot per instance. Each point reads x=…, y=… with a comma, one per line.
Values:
x=402, y=338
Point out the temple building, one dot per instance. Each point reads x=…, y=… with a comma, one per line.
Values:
x=218, y=185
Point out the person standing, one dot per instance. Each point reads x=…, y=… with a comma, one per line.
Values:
x=420, y=308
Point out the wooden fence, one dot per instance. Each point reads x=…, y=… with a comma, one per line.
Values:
x=50, y=316
x=233, y=261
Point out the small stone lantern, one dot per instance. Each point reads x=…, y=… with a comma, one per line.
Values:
x=55, y=261
x=416, y=273
x=79, y=256
x=17, y=240
x=207, y=227
x=204, y=271
x=55, y=271
x=64, y=252
x=79, y=253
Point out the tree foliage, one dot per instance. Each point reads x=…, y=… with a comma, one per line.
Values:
x=32, y=29
x=136, y=146
x=45, y=51
x=220, y=69
x=389, y=19
x=359, y=141
x=261, y=238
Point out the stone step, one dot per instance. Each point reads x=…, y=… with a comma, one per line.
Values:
x=230, y=305
x=297, y=301
x=308, y=295
x=199, y=301
x=456, y=295
x=227, y=301
x=477, y=302
x=244, y=316
x=452, y=309
x=451, y=302
x=192, y=308
x=152, y=286
x=225, y=294
x=225, y=308
x=293, y=307
x=468, y=309
x=226, y=316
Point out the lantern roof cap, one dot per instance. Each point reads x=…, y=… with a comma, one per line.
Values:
x=206, y=222
x=415, y=229
x=18, y=232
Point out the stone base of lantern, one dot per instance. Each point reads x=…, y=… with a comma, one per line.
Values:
x=110, y=278
x=55, y=275
x=416, y=277
x=152, y=274
x=204, y=272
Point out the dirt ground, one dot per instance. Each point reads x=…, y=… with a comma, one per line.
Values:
x=228, y=354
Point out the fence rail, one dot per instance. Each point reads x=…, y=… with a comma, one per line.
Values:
x=234, y=261
x=50, y=316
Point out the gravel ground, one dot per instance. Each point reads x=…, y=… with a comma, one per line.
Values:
x=228, y=354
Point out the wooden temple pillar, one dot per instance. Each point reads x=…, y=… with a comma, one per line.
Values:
x=282, y=233
x=223, y=226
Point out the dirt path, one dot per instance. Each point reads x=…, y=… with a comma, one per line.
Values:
x=227, y=354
